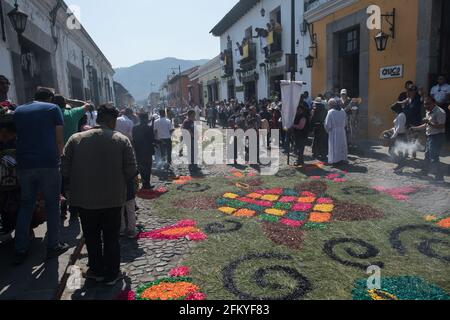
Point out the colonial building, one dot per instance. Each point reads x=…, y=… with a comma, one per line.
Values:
x=124, y=99
x=253, y=54
x=194, y=89
x=53, y=51
x=209, y=76
x=417, y=48
x=164, y=92
x=178, y=89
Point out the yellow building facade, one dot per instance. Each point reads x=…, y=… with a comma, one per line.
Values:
x=346, y=54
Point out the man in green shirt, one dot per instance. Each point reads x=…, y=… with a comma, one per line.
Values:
x=72, y=116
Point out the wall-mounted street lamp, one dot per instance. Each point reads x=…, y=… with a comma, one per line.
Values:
x=306, y=28
x=381, y=39
x=309, y=61
x=263, y=12
x=18, y=19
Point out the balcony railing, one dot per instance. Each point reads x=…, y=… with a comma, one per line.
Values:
x=275, y=46
x=248, y=61
x=228, y=63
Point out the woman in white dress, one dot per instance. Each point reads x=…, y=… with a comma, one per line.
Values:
x=335, y=125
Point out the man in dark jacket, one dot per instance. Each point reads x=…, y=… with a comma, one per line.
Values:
x=413, y=108
x=98, y=165
x=143, y=142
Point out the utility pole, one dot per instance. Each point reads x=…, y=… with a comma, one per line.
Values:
x=181, y=87
x=180, y=83
x=293, y=42
x=292, y=63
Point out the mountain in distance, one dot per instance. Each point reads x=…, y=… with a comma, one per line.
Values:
x=146, y=77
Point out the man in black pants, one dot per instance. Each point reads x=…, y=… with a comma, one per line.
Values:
x=143, y=142
x=98, y=164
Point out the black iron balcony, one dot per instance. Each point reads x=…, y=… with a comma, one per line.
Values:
x=248, y=61
x=228, y=63
x=275, y=52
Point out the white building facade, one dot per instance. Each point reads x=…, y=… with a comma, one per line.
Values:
x=256, y=73
x=54, y=51
x=209, y=76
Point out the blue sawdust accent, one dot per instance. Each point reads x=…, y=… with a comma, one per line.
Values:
x=402, y=288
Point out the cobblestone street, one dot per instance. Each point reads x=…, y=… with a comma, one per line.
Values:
x=147, y=261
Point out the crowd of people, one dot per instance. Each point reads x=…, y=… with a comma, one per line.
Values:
x=57, y=153
x=312, y=119
x=416, y=111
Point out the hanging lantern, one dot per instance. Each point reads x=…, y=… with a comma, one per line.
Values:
x=309, y=61
x=381, y=41
x=18, y=19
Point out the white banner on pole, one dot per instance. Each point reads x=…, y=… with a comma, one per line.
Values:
x=290, y=96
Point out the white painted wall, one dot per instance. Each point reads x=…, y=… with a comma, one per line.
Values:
x=207, y=72
x=71, y=44
x=254, y=19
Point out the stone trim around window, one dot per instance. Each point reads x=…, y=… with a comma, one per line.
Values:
x=326, y=9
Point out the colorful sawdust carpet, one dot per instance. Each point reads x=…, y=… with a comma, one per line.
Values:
x=440, y=222
x=182, y=180
x=399, y=288
x=400, y=194
x=183, y=229
x=285, y=206
x=239, y=174
x=152, y=194
x=294, y=208
x=176, y=287
x=317, y=171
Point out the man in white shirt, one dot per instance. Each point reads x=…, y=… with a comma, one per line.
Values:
x=91, y=117
x=434, y=127
x=441, y=92
x=399, y=150
x=198, y=113
x=163, y=129
x=125, y=125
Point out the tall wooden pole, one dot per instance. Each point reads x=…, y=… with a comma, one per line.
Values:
x=293, y=41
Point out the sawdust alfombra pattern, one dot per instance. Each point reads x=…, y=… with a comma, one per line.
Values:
x=300, y=209
x=399, y=288
x=178, y=286
x=285, y=206
x=182, y=229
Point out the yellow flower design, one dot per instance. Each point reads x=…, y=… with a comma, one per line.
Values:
x=275, y=212
x=227, y=210
x=230, y=196
x=270, y=197
x=324, y=208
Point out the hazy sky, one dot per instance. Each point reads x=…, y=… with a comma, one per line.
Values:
x=131, y=31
